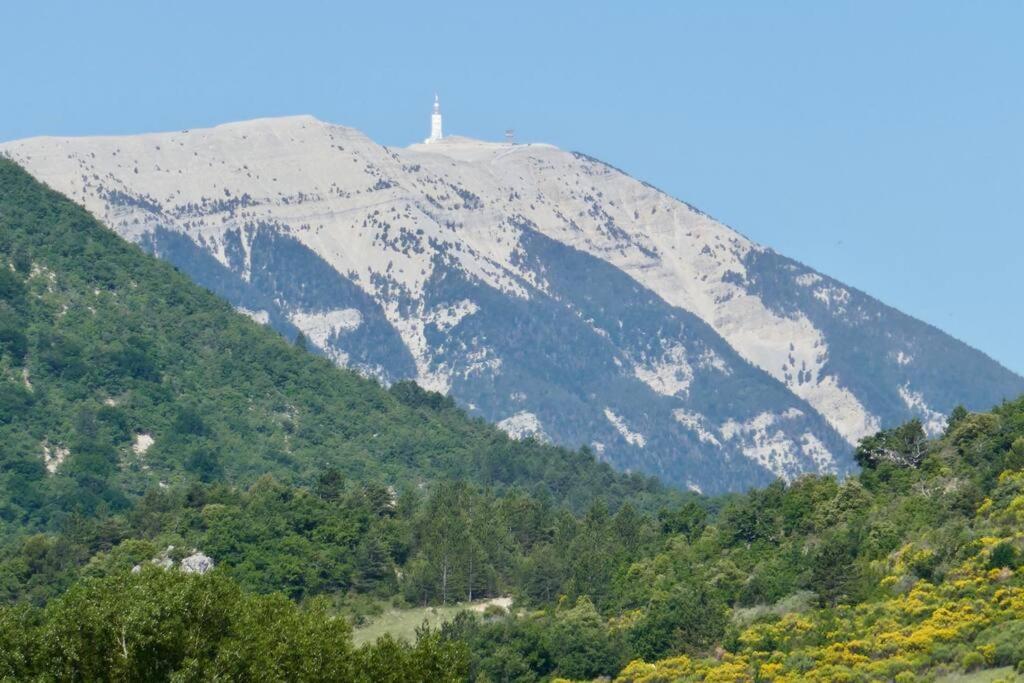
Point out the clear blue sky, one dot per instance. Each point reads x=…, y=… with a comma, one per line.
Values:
x=879, y=142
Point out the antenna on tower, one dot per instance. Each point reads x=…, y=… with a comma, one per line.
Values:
x=510, y=136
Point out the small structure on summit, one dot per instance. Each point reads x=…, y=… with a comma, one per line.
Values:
x=435, y=122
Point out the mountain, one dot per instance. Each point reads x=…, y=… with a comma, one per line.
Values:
x=139, y=415
x=120, y=376
x=546, y=291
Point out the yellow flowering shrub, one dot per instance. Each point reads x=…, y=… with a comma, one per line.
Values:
x=895, y=638
x=664, y=671
x=729, y=672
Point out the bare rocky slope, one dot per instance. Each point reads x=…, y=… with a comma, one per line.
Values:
x=545, y=290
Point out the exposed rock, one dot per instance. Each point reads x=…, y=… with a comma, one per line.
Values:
x=197, y=563
x=53, y=456
x=163, y=560
x=523, y=425
x=143, y=442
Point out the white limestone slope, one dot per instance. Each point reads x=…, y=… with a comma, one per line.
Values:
x=374, y=215
x=522, y=425
x=631, y=437
x=767, y=443
x=320, y=326
x=383, y=217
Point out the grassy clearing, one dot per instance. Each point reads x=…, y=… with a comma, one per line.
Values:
x=1005, y=673
x=402, y=623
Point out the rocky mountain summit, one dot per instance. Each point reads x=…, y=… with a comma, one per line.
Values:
x=545, y=290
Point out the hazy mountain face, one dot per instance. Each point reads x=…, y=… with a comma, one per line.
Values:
x=545, y=290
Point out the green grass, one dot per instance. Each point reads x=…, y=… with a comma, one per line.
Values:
x=1005, y=673
x=402, y=623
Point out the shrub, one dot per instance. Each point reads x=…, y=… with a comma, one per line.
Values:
x=1003, y=555
x=972, y=661
x=1008, y=639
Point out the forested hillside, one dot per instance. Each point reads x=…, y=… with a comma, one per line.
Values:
x=159, y=625
x=117, y=375
x=914, y=568
x=906, y=572
x=141, y=420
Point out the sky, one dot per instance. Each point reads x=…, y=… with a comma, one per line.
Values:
x=881, y=143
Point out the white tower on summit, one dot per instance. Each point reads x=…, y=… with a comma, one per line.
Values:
x=435, y=122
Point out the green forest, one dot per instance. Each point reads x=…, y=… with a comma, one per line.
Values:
x=142, y=419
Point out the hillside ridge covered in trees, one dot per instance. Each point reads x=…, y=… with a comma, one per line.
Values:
x=118, y=375
x=320, y=495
